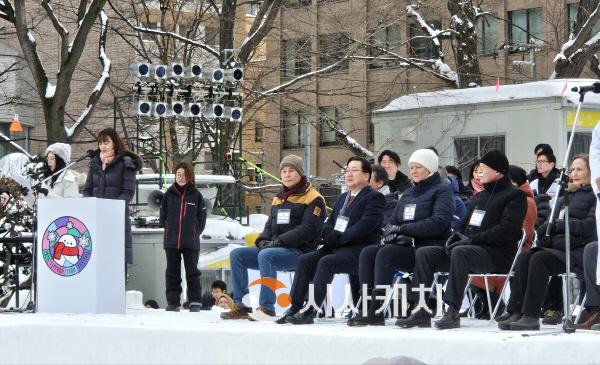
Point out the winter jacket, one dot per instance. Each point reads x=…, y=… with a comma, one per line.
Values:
x=540, y=185
x=365, y=218
x=400, y=183
x=501, y=227
x=307, y=213
x=459, y=206
x=390, y=203
x=116, y=182
x=434, y=208
x=497, y=283
x=65, y=186
x=183, y=217
x=582, y=221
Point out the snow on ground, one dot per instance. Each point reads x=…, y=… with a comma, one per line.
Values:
x=155, y=336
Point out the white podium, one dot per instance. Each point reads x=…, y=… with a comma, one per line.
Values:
x=80, y=256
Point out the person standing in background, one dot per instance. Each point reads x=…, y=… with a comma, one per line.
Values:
x=64, y=184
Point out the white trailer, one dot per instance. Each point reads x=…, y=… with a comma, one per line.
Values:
x=463, y=124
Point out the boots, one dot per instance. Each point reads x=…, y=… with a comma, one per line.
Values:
x=526, y=323
x=308, y=317
x=290, y=312
x=593, y=318
x=372, y=318
x=451, y=319
x=419, y=318
x=505, y=324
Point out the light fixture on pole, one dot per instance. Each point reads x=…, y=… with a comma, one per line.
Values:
x=15, y=125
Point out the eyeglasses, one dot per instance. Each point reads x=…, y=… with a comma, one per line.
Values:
x=180, y=175
x=539, y=162
x=353, y=171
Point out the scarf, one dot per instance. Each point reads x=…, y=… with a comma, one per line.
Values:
x=106, y=158
x=299, y=187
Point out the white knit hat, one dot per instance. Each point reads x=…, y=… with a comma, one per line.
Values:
x=427, y=158
x=61, y=150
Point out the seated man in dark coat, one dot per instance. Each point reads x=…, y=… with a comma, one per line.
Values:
x=355, y=223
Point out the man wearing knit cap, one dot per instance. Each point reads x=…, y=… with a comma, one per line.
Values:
x=485, y=242
x=293, y=227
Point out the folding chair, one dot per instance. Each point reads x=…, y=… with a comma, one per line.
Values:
x=508, y=275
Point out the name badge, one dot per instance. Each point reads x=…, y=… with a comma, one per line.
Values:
x=341, y=223
x=561, y=215
x=283, y=216
x=477, y=218
x=409, y=212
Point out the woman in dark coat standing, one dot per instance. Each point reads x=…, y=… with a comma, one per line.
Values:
x=183, y=216
x=535, y=266
x=112, y=176
x=422, y=217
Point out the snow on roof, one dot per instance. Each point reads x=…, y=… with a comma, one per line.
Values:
x=488, y=94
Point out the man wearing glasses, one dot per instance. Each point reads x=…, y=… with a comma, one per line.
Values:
x=355, y=223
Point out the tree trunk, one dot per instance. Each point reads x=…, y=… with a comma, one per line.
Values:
x=467, y=60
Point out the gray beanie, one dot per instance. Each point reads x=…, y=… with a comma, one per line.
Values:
x=294, y=162
x=61, y=150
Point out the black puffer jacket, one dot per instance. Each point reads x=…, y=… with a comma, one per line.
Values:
x=433, y=212
x=400, y=184
x=183, y=216
x=582, y=221
x=307, y=214
x=505, y=206
x=116, y=182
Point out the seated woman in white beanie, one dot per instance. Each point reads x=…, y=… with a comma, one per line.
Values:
x=63, y=184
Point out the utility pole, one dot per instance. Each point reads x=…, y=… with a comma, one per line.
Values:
x=307, y=152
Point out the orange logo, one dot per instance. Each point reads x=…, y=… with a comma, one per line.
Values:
x=283, y=299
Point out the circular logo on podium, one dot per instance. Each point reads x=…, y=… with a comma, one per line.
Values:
x=67, y=246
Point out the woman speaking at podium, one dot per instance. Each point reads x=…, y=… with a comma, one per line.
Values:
x=112, y=176
x=63, y=184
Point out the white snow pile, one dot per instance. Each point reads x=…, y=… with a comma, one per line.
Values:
x=227, y=228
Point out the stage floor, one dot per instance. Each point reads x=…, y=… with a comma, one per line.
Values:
x=155, y=336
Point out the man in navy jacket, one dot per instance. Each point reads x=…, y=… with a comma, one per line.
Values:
x=355, y=223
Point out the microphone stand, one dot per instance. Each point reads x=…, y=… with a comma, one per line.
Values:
x=36, y=191
x=568, y=325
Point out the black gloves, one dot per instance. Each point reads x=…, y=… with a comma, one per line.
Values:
x=25, y=191
x=331, y=240
x=268, y=244
x=42, y=191
x=456, y=239
x=542, y=198
x=398, y=239
x=391, y=229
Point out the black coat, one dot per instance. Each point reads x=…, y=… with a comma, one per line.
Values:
x=501, y=228
x=433, y=212
x=183, y=216
x=116, y=182
x=582, y=221
x=365, y=218
x=544, y=183
x=400, y=184
x=307, y=213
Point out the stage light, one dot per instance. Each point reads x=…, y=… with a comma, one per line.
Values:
x=176, y=70
x=193, y=71
x=144, y=108
x=140, y=69
x=159, y=72
x=235, y=74
x=160, y=109
x=234, y=114
x=193, y=110
x=213, y=111
x=214, y=75
x=176, y=109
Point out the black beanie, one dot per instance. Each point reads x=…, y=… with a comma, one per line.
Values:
x=496, y=160
x=517, y=174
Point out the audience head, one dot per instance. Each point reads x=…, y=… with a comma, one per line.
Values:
x=579, y=172
x=423, y=163
x=218, y=288
x=358, y=173
x=390, y=161
x=454, y=171
x=151, y=303
x=291, y=170
x=518, y=176
x=378, y=177
x=543, y=147
x=184, y=173
x=494, y=165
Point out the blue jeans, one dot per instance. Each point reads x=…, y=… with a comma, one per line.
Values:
x=268, y=261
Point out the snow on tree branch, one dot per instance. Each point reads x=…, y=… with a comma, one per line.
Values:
x=261, y=26
x=344, y=138
x=102, y=81
x=144, y=29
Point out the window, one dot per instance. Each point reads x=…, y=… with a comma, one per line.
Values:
x=487, y=35
x=388, y=39
x=420, y=45
x=333, y=116
x=332, y=48
x=294, y=129
x=525, y=25
x=295, y=57
x=369, y=117
x=469, y=149
x=581, y=143
x=258, y=131
x=297, y=3
x=572, y=17
x=252, y=8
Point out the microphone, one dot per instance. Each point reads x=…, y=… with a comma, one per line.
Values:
x=595, y=88
x=88, y=154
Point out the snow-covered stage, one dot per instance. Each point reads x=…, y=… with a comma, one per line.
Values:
x=155, y=336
